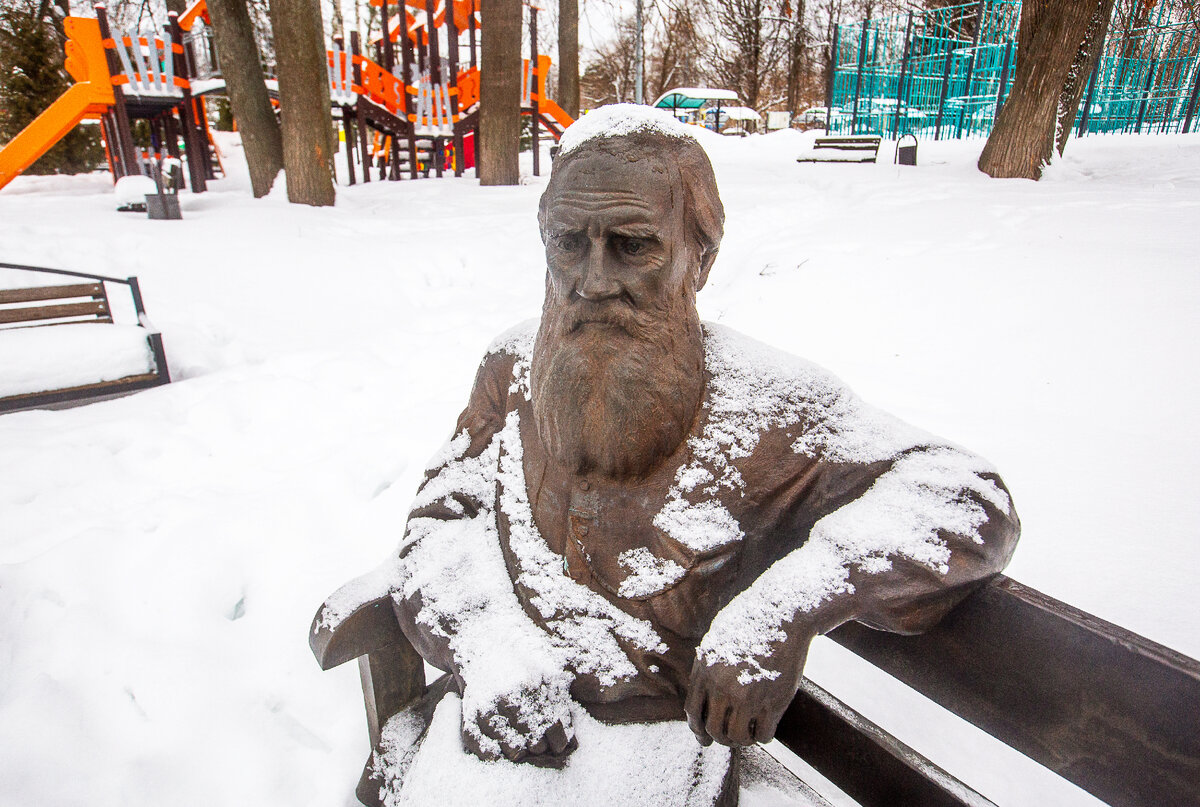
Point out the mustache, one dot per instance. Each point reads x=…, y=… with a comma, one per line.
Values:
x=616, y=313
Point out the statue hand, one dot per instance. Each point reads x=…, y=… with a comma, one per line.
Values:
x=743, y=712
x=531, y=725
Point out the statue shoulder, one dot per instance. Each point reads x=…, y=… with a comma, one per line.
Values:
x=502, y=374
x=755, y=389
x=516, y=342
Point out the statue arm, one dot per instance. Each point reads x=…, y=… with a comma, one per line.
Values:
x=456, y=603
x=926, y=531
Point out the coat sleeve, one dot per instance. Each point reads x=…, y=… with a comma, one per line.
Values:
x=457, y=604
x=894, y=544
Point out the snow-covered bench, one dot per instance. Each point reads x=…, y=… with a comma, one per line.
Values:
x=853, y=149
x=59, y=343
x=1110, y=711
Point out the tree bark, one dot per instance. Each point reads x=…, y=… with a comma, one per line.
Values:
x=500, y=93
x=796, y=61
x=233, y=35
x=568, y=56
x=1050, y=36
x=307, y=123
x=1080, y=73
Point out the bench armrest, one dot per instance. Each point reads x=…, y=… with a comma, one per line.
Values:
x=370, y=627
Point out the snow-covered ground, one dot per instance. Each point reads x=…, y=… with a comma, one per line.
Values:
x=161, y=555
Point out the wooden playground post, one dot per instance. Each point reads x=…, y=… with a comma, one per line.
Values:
x=406, y=52
x=435, y=76
x=124, y=154
x=534, y=86
x=389, y=56
x=360, y=120
x=471, y=34
x=192, y=143
x=172, y=137
x=452, y=55
x=343, y=71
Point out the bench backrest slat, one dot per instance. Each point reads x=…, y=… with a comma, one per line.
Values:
x=1109, y=710
x=95, y=290
x=96, y=309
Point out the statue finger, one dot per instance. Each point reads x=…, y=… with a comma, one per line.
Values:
x=765, y=724
x=738, y=728
x=697, y=713
x=717, y=722
x=556, y=738
x=471, y=743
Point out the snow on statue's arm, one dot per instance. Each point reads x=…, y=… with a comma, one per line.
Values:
x=457, y=605
x=932, y=524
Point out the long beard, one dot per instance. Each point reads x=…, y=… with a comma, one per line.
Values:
x=616, y=390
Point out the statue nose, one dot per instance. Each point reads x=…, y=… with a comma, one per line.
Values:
x=597, y=283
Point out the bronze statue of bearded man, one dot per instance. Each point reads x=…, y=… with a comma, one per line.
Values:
x=642, y=521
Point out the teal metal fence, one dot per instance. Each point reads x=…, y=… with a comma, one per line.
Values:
x=944, y=73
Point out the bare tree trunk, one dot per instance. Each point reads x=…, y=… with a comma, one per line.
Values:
x=500, y=93
x=233, y=35
x=568, y=56
x=304, y=101
x=1050, y=35
x=796, y=54
x=1080, y=73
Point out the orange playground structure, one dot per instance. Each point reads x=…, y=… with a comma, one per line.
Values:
x=413, y=117
x=422, y=113
x=119, y=79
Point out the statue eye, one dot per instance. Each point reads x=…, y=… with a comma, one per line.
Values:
x=632, y=246
x=571, y=242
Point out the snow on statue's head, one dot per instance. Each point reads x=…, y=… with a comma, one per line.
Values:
x=632, y=222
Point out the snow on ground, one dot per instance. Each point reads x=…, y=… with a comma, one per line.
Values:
x=161, y=555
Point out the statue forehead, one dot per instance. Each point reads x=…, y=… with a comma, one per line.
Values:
x=623, y=171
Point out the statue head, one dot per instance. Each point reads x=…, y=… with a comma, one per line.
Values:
x=632, y=222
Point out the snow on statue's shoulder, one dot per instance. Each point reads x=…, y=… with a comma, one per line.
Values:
x=518, y=343
x=517, y=340
x=755, y=387
x=617, y=120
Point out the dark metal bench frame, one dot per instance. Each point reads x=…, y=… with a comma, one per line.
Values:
x=91, y=305
x=1110, y=711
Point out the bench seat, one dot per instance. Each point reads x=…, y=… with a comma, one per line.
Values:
x=69, y=356
x=59, y=343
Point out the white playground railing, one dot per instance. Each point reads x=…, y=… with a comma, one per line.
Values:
x=148, y=63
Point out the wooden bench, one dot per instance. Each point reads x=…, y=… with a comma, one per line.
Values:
x=82, y=303
x=1108, y=710
x=853, y=149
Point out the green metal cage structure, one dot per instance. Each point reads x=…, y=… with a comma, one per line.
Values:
x=945, y=72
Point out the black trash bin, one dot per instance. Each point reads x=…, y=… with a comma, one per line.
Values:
x=906, y=153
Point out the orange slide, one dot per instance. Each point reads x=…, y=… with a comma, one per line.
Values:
x=548, y=107
x=92, y=95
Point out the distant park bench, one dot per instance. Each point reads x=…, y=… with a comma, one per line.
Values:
x=1106, y=709
x=60, y=344
x=853, y=149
